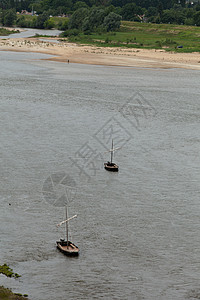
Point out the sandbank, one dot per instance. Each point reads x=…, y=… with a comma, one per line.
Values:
x=74, y=53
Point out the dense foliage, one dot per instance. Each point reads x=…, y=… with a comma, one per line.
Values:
x=95, y=15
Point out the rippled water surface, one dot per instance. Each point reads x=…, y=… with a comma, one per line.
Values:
x=138, y=229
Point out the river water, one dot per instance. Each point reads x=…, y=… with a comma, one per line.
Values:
x=31, y=32
x=138, y=229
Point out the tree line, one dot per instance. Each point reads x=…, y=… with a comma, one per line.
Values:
x=92, y=15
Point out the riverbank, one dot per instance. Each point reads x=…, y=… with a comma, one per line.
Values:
x=7, y=294
x=74, y=53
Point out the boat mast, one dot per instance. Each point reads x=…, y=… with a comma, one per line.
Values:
x=67, y=225
x=111, y=154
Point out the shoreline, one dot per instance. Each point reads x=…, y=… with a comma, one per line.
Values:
x=107, y=56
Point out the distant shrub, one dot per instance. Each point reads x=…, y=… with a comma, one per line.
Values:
x=158, y=43
x=107, y=40
x=49, y=24
x=63, y=25
x=169, y=42
x=21, y=22
x=70, y=32
x=189, y=21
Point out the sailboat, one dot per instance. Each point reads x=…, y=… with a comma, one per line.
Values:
x=65, y=246
x=110, y=166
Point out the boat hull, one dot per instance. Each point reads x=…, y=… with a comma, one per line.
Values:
x=111, y=167
x=68, y=248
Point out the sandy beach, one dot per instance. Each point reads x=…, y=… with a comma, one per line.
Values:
x=64, y=51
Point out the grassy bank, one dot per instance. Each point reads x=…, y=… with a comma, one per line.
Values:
x=7, y=294
x=5, y=32
x=169, y=37
x=7, y=271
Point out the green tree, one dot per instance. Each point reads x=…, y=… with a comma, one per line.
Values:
x=130, y=11
x=21, y=22
x=63, y=25
x=96, y=17
x=110, y=8
x=180, y=17
x=4, y=4
x=70, y=32
x=76, y=20
x=189, y=21
x=9, y=17
x=49, y=24
x=168, y=16
x=197, y=18
x=197, y=7
x=36, y=6
x=58, y=6
x=80, y=4
x=189, y=12
x=1, y=16
x=86, y=26
x=160, y=9
x=41, y=19
x=112, y=22
x=176, y=16
x=182, y=2
x=152, y=11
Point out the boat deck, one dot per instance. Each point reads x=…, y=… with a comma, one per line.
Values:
x=69, y=248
